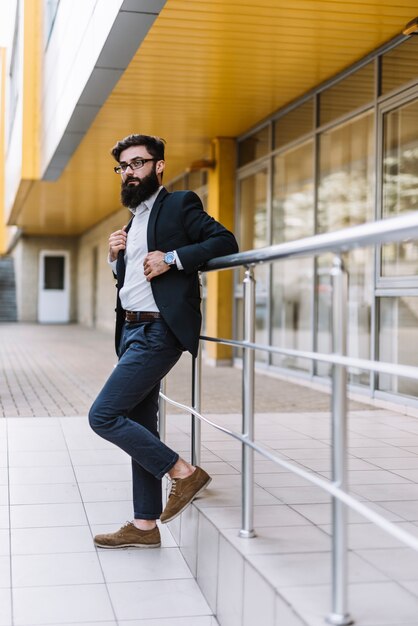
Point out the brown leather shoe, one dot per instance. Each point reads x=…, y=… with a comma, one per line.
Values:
x=129, y=536
x=183, y=491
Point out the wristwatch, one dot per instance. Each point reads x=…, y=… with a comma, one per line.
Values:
x=170, y=258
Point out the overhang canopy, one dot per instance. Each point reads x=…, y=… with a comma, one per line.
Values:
x=208, y=68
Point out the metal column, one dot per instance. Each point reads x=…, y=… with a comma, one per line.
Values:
x=247, y=509
x=339, y=615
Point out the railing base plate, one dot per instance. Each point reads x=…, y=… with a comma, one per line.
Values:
x=246, y=534
x=337, y=619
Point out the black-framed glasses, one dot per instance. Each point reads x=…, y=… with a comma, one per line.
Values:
x=136, y=164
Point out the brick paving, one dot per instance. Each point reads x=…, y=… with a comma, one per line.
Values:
x=57, y=370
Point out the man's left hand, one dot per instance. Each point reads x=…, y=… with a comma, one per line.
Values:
x=154, y=264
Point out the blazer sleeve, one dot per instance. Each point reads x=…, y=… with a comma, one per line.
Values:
x=209, y=238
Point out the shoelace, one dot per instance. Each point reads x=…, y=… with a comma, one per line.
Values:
x=173, y=487
x=126, y=525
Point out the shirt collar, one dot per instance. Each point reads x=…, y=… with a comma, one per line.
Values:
x=148, y=204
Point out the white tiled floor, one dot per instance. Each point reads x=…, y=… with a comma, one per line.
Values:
x=61, y=487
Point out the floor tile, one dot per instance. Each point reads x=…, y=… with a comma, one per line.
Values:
x=370, y=604
x=274, y=515
x=4, y=517
x=44, y=494
x=38, y=515
x=53, y=540
x=56, y=569
x=52, y=606
x=103, y=473
x=203, y=620
x=5, y=607
x=281, y=540
x=32, y=459
x=106, y=491
x=289, y=570
x=230, y=593
x=109, y=512
x=111, y=456
x=144, y=599
x=259, y=599
x=41, y=475
x=4, y=571
x=400, y=564
x=143, y=565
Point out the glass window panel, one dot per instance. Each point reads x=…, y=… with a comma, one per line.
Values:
x=54, y=272
x=292, y=328
x=254, y=234
x=294, y=124
x=399, y=66
x=293, y=194
x=349, y=94
x=359, y=264
x=397, y=329
x=400, y=184
x=254, y=147
x=346, y=163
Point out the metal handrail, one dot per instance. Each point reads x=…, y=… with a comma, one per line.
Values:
x=355, y=504
x=384, y=231
x=375, y=233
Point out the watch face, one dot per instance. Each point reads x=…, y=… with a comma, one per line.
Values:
x=169, y=258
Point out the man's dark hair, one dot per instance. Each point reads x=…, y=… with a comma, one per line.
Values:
x=154, y=145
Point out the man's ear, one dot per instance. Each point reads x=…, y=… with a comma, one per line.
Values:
x=160, y=167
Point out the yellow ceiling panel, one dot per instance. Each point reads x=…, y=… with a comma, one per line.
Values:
x=209, y=68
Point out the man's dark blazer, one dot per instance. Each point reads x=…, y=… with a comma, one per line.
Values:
x=179, y=222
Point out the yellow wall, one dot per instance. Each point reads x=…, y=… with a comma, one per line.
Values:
x=32, y=59
x=221, y=203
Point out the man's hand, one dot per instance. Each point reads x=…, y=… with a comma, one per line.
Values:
x=117, y=241
x=154, y=264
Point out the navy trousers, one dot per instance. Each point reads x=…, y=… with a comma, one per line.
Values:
x=125, y=411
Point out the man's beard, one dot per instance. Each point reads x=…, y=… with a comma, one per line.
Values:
x=132, y=195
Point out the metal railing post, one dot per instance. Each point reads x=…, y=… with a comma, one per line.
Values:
x=162, y=412
x=196, y=436
x=339, y=615
x=247, y=509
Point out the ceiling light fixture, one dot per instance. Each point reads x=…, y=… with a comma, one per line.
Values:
x=411, y=28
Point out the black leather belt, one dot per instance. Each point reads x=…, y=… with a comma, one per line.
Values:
x=142, y=316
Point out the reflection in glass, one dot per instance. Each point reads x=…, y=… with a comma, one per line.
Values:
x=397, y=335
x=293, y=194
x=345, y=198
x=254, y=234
x=293, y=218
x=399, y=66
x=400, y=184
x=294, y=124
x=254, y=147
x=291, y=313
x=359, y=264
x=349, y=94
x=346, y=162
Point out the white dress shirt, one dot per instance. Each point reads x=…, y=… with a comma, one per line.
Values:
x=136, y=293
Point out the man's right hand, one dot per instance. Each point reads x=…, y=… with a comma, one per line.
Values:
x=117, y=241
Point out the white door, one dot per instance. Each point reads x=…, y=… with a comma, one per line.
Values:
x=54, y=286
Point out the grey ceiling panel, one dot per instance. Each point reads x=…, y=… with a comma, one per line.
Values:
x=99, y=86
x=127, y=33
x=148, y=6
x=82, y=118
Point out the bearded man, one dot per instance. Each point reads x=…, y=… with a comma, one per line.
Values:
x=156, y=259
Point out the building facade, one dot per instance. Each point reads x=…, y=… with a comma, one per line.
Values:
x=288, y=119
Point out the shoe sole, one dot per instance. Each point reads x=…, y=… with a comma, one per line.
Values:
x=170, y=519
x=128, y=545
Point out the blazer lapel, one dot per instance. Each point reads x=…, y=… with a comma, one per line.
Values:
x=120, y=263
x=152, y=222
